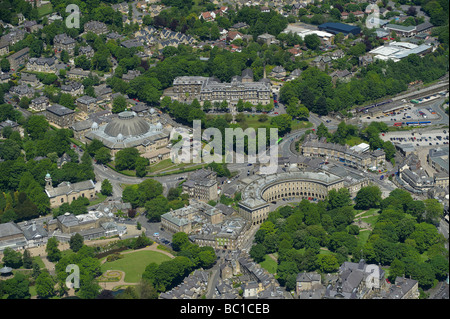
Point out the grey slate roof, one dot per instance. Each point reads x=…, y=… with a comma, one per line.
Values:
x=9, y=229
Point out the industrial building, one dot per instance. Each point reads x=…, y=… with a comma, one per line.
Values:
x=396, y=51
x=336, y=27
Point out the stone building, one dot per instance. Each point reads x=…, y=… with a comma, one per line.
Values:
x=190, y=218
x=96, y=27
x=72, y=88
x=11, y=236
x=46, y=65
x=87, y=103
x=312, y=146
x=258, y=194
x=87, y=51
x=130, y=130
x=188, y=88
x=404, y=288
x=310, y=281
x=22, y=90
x=64, y=42
x=227, y=235
x=201, y=185
x=4, y=48
x=40, y=103
x=66, y=192
x=60, y=115
x=19, y=58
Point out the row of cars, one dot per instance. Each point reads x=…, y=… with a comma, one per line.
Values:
x=422, y=139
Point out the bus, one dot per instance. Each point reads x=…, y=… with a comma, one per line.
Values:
x=279, y=140
x=398, y=124
x=414, y=102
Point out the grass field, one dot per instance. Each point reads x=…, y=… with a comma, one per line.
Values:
x=133, y=264
x=354, y=140
x=45, y=9
x=363, y=236
x=269, y=264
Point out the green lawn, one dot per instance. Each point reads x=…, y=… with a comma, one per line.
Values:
x=38, y=260
x=133, y=264
x=298, y=125
x=269, y=264
x=161, y=165
x=363, y=236
x=45, y=9
x=354, y=140
x=252, y=120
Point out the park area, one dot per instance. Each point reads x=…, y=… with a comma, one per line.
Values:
x=132, y=264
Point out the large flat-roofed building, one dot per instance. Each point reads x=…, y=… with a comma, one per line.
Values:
x=325, y=37
x=336, y=27
x=400, y=30
x=188, y=88
x=396, y=51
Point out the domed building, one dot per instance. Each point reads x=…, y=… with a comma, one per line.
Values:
x=130, y=130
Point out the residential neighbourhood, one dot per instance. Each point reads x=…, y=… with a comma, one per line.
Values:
x=115, y=155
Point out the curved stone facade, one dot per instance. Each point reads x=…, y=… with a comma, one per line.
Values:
x=302, y=185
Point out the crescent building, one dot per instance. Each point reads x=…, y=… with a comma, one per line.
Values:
x=258, y=195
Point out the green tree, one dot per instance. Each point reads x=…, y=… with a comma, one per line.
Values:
x=107, y=188
x=76, y=242
x=53, y=252
x=141, y=166
x=67, y=100
x=12, y=258
x=179, y=241
x=368, y=197
x=119, y=104
x=4, y=65
x=27, y=260
x=45, y=285
x=327, y=263
x=339, y=198
x=258, y=252
x=126, y=159
x=433, y=210
x=156, y=207
x=36, y=126
x=312, y=41
x=283, y=122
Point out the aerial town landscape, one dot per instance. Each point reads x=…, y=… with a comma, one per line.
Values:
x=98, y=97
